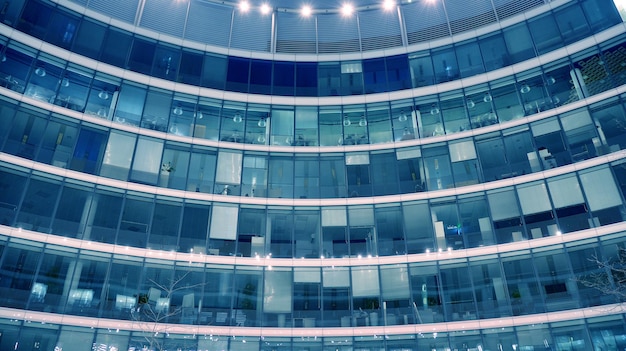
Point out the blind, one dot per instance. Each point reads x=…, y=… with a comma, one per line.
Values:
x=336, y=278
x=462, y=151
x=534, y=198
x=334, y=217
x=224, y=222
x=565, y=192
x=395, y=283
x=600, y=188
x=228, y=167
x=365, y=282
x=277, y=292
x=307, y=275
x=503, y=205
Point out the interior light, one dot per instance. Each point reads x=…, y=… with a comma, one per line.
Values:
x=524, y=89
x=237, y=118
x=178, y=110
x=64, y=82
x=346, y=121
x=199, y=115
x=487, y=97
x=244, y=6
x=470, y=103
x=262, y=122
x=103, y=95
x=362, y=121
x=434, y=110
x=306, y=11
x=388, y=5
x=265, y=9
x=347, y=9
x=40, y=71
x=403, y=117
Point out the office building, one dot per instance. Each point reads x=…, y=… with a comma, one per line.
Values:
x=379, y=175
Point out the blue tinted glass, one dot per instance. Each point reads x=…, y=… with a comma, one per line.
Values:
x=141, y=56
x=493, y=50
x=545, y=33
x=446, y=68
x=166, y=62
x=190, y=67
x=35, y=19
x=374, y=75
x=572, y=23
x=306, y=79
x=62, y=29
x=116, y=47
x=469, y=58
x=89, y=39
x=398, y=74
x=329, y=78
x=519, y=43
x=284, y=78
x=260, y=76
x=237, y=76
x=214, y=71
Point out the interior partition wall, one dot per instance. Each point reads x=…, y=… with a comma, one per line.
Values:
x=324, y=183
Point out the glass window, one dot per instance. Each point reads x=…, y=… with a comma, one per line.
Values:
x=336, y=296
x=25, y=134
x=603, y=196
x=44, y=83
x=469, y=57
x=366, y=295
x=190, y=71
x=36, y=209
x=306, y=126
x=142, y=55
x=494, y=52
x=398, y=74
x=16, y=68
x=116, y=47
x=422, y=72
x=280, y=237
x=251, y=232
x=117, y=158
x=330, y=122
x=237, y=74
x=74, y=201
x=445, y=63
x=437, y=167
x=307, y=177
x=261, y=77
x=490, y=290
x=135, y=222
x=17, y=271
x=280, y=177
x=426, y=292
x=254, y=176
x=166, y=61
x=147, y=166
x=396, y=294
x=248, y=294
x=537, y=210
x=374, y=75
x=545, y=32
x=214, y=71
x=130, y=104
x=174, y=166
x=257, y=124
x=378, y=123
x=194, y=228
x=448, y=229
x=569, y=204
x=351, y=78
x=358, y=175
x=228, y=175
x=581, y=134
x=61, y=29
x=384, y=173
x=306, y=296
x=277, y=296
x=202, y=170
x=458, y=294
x=165, y=224
x=157, y=110
x=521, y=282
x=505, y=215
x=418, y=227
x=89, y=38
x=106, y=209
x=555, y=279
x=410, y=170
x=224, y=222
x=306, y=79
x=519, y=43
x=572, y=23
x=284, y=78
x=282, y=127
x=550, y=143
x=475, y=222
x=389, y=231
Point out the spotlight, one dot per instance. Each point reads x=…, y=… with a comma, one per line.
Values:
x=40, y=71
x=362, y=121
x=346, y=121
x=103, y=95
x=487, y=97
x=306, y=11
x=388, y=5
x=347, y=10
x=178, y=110
x=265, y=9
x=237, y=118
x=244, y=6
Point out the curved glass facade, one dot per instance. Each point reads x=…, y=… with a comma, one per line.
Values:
x=166, y=194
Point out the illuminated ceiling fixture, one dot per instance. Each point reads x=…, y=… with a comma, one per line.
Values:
x=362, y=121
x=347, y=10
x=265, y=9
x=237, y=118
x=434, y=110
x=550, y=80
x=388, y=5
x=244, y=6
x=262, y=123
x=178, y=110
x=199, y=115
x=306, y=11
x=470, y=103
x=524, y=89
x=40, y=71
x=103, y=94
x=346, y=121
x=403, y=117
x=64, y=82
x=487, y=97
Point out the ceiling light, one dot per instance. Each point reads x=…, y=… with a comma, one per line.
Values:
x=262, y=122
x=487, y=97
x=403, y=117
x=265, y=9
x=346, y=121
x=40, y=71
x=237, y=118
x=524, y=89
x=306, y=11
x=244, y=6
x=434, y=109
x=470, y=103
x=103, y=95
x=388, y=5
x=347, y=10
x=362, y=121
x=64, y=82
x=178, y=110
x=199, y=115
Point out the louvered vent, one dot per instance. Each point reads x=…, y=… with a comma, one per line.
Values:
x=295, y=34
x=337, y=34
x=208, y=23
x=165, y=16
x=251, y=31
x=425, y=21
x=123, y=10
x=508, y=8
x=80, y=2
x=379, y=30
x=469, y=14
